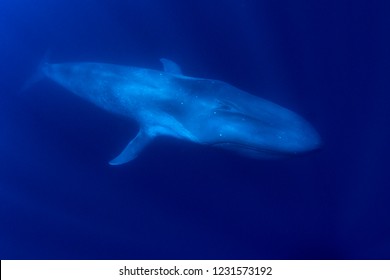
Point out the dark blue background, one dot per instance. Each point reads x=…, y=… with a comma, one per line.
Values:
x=326, y=60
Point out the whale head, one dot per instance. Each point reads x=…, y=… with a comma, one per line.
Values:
x=235, y=120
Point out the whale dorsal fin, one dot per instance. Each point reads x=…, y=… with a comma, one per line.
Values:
x=132, y=150
x=170, y=66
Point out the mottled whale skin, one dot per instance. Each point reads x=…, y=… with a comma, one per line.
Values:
x=203, y=111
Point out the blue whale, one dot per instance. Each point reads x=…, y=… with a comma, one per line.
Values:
x=203, y=111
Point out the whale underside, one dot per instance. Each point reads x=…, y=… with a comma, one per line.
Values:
x=204, y=111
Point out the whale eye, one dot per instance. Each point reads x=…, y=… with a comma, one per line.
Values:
x=226, y=106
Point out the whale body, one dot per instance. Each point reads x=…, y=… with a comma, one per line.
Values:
x=204, y=111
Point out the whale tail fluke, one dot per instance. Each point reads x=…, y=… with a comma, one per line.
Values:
x=38, y=74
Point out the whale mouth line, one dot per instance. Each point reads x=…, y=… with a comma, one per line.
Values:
x=262, y=151
x=248, y=148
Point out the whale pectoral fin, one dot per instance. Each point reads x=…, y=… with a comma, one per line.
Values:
x=132, y=149
x=170, y=66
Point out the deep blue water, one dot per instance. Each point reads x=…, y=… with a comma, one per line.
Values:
x=326, y=60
